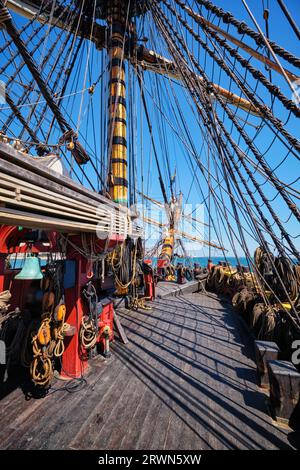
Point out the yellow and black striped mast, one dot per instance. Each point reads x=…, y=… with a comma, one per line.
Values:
x=117, y=143
x=174, y=213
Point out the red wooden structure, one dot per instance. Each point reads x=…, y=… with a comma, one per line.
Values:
x=13, y=240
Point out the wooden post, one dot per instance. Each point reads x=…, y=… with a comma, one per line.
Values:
x=265, y=351
x=284, y=389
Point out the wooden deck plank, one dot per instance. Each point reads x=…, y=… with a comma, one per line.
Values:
x=97, y=417
x=186, y=380
x=183, y=421
x=163, y=422
x=45, y=415
x=157, y=417
x=91, y=429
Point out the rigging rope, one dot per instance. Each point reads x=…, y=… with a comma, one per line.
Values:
x=243, y=28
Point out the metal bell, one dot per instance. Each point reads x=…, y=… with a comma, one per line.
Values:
x=31, y=269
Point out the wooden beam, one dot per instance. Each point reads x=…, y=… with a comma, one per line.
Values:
x=262, y=58
x=158, y=64
x=184, y=234
x=32, y=220
x=83, y=26
x=185, y=216
x=149, y=60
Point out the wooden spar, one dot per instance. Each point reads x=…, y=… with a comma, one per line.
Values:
x=174, y=214
x=159, y=204
x=265, y=60
x=152, y=61
x=158, y=64
x=83, y=28
x=184, y=234
x=29, y=11
x=117, y=144
x=78, y=151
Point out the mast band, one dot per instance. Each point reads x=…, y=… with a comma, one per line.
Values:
x=119, y=160
x=117, y=119
x=120, y=182
x=116, y=43
x=116, y=62
x=118, y=140
x=117, y=99
x=167, y=245
x=118, y=28
x=116, y=80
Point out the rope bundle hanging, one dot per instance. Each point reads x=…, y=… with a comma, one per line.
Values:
x=124, y=264
x=47, y=341
x=4, y=301
x=88, y=334
x=41, y=368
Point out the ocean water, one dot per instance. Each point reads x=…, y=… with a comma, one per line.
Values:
x=203, y=260
x=18, y=263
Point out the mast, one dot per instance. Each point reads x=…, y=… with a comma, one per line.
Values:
x=174, y=211
x=117, y=144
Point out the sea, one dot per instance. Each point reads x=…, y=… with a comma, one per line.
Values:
x=204, y=260
x=17, y=263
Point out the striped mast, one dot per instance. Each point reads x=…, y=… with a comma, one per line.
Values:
x=117, y=144
x=174, y=213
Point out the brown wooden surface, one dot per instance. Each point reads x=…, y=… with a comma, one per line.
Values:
x=186, y=380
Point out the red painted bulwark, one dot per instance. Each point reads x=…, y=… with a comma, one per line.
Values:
x=149, y=286
x=73, y=363
x=106, y=318
x=73, y=360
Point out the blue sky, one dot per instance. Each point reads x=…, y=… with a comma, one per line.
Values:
x=164, y=95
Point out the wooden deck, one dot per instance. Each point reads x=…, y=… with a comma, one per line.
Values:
x=166, y=289
x=185, y=381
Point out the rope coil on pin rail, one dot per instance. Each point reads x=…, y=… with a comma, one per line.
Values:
x=5, y=297
x=41, y=368
x=88, y=334
x=47, y=336
x=89, y=331
x=118, y=281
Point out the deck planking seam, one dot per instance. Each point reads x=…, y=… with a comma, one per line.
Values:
x=189, y=385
